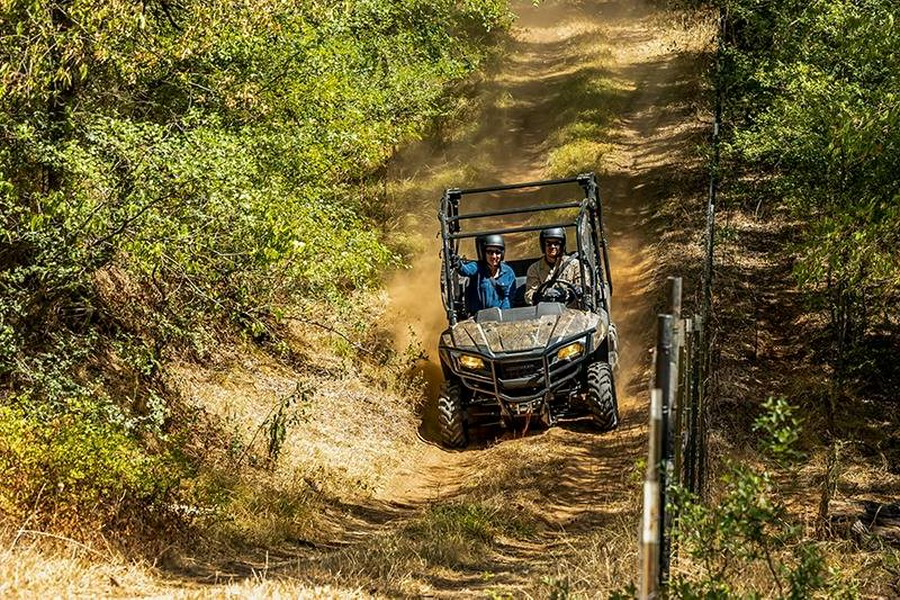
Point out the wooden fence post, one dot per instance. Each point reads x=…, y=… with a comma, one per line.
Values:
x=676, y=452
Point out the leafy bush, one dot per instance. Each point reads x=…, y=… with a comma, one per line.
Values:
x=77, y=468
x=745, y=544
x=811, y=91
x=170, y=170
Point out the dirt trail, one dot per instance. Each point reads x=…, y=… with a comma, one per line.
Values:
x=627, y=44
x=628, y=67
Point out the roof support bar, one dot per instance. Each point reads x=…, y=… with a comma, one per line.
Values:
x=516, y=186
x=460, y=236
x=512, y=211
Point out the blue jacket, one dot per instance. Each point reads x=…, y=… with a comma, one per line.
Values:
x=484, y=291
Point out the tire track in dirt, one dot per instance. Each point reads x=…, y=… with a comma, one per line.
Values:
x=650, y=69
x=650, y=137
x=644, y=69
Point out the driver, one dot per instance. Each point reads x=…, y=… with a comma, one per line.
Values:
x=492, y=282
x=555, y=265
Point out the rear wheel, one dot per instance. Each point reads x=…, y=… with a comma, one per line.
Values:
x=602, y=396
x=451, y=419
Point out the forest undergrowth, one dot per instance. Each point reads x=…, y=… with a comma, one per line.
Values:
x=194, y=227
x=806, y=279
x=177, y=179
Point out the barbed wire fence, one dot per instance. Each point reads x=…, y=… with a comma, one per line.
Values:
x=680, y=389
x=677, y=432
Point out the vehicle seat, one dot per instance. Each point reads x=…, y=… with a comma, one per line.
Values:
x=519, y=298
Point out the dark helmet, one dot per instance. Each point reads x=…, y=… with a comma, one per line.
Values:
x=492, y=239
x=557, y=233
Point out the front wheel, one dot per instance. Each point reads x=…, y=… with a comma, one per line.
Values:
x=602, y=396
x=451, y=419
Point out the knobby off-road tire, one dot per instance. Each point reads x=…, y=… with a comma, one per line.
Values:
x=601, y=396
x=451, y=419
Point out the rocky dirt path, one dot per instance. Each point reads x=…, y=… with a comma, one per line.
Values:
x=643, y=65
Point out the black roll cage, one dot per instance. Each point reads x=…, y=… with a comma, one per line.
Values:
x=589, y=207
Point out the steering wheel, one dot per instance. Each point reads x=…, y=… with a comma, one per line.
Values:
x=567, y=288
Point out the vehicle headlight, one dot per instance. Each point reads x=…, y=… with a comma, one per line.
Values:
x=471, y=362
x=570, y=351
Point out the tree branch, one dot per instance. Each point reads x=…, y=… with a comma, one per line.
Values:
x=333, y=330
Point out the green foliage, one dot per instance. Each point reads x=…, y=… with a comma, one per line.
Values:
x=560, y=589
x=471, y=521
x=780, y=428
x=812, y=93
x=626, y=593
x=169, y=167
x=77, y=464
x=290, y=410
x=204, y=144
x=744, y=544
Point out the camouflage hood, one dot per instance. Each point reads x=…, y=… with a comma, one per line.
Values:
x=490, y=336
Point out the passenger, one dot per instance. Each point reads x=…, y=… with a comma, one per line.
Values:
x=554, y=266
x=492, y=282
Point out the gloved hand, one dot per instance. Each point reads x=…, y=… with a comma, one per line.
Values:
x=579, y=291
x=455, y=261
x=553, y=294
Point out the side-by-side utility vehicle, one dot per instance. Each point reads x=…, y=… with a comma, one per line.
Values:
x=548, y=359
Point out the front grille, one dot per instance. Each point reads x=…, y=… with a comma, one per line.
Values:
x=521, y=369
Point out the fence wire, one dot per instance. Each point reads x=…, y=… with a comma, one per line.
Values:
x=680, y=389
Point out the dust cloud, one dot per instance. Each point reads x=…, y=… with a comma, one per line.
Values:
x=508, y=129
x=416, y=309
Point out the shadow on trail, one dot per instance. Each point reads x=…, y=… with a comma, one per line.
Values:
x=563, y=474
x=434, y=378
x=569, y=478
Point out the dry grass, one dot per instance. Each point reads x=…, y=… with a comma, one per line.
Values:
x=41, y=570
x=35, y=567
x=346, y=436
x=354, y=497
x=523, y=507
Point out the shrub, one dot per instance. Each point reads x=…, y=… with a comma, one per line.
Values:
x=811, y=102
x=76, y=469
x=744, y=544
x=173, y=171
